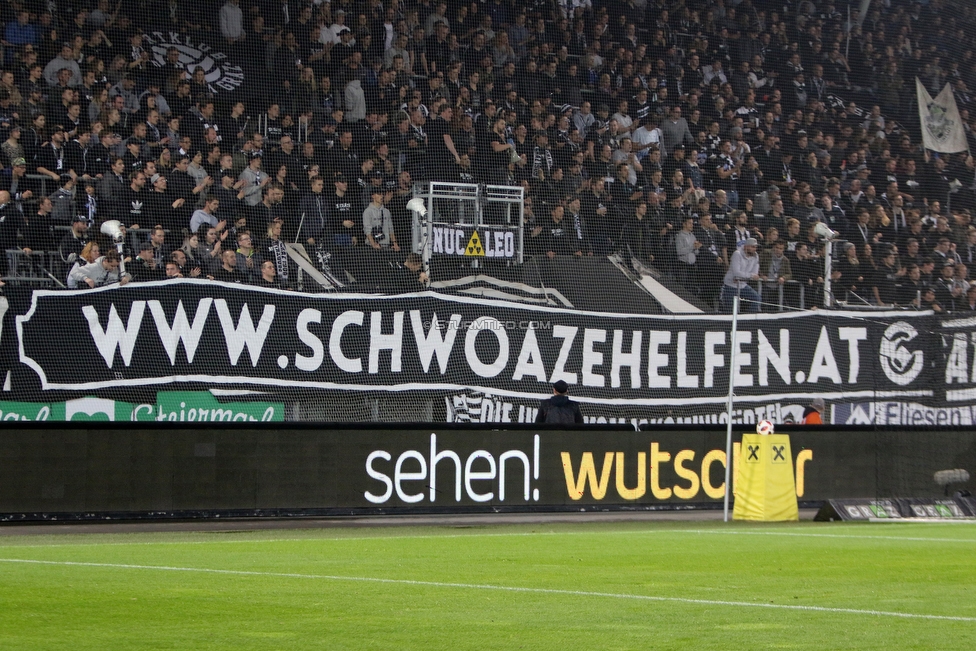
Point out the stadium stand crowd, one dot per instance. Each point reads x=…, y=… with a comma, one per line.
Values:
x=706, y=138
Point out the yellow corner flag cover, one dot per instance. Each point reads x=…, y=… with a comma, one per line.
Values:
x=765, y=490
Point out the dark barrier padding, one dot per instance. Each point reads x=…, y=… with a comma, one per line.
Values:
x=76, y=472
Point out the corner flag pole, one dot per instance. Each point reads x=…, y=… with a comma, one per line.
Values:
x=728, y=431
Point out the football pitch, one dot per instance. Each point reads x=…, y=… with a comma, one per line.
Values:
x=621, y=585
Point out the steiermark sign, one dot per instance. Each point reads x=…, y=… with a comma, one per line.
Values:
x=170, y=406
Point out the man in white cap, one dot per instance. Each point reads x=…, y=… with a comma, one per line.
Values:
x=743, y=267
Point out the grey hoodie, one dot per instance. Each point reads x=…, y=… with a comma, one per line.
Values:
x=95, y=271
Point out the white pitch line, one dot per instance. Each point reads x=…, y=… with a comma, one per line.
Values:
x=513, y=534
x=829, y=535
x=502, y=588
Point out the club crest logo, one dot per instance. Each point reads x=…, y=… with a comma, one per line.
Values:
x=220, y=73
x=938, y=123
x=900, y=364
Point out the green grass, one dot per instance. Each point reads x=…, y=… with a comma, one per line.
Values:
x=579, y=587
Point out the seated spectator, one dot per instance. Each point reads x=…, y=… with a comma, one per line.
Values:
x=192, y=256
x=144, y=268
x=268, y=277
x=158, y=239
x=173, y=270
x=929, y=301
x=970, y=303
x=227, y=271
x=211, y=246
x=190, y=267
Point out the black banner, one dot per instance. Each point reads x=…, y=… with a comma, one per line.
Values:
x=222, y=71
x=213, y=334
x=256, y=469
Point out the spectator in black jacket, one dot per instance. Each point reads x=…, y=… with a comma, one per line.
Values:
x=559, y=239
x=144, y=267
x=559, y=409
x=314, y=214
x=580, y=230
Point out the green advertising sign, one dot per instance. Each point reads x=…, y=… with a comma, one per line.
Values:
x=170, y=406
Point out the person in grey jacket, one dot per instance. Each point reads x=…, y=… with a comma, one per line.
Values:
x=743, y=267
x=64, y=60
x=686, y=246
x=378, y=222
x=675, y=131
x=254, y=180
x=103, y=271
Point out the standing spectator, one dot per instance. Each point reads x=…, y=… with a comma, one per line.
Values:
x=206, y=215
x=133, y=200
x=686, y=247
x=440, y=145
x=580, y=229
x=378, y=222
x=276, y=252
x=232, y=22
x=74, y=242
x=314, y=213
x=712, y=258
x=743, y=267
x=559, y=410
x=254, y=179
x=557, y=237
x=808, y=271
x=64, y=61
x=775, y=270
x=675, y=131
x=248, y=260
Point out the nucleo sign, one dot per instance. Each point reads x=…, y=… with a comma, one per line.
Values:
x=483, y=242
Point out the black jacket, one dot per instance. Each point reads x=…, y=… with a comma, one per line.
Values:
x=559, y=409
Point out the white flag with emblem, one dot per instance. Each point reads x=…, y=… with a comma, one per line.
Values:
x=941, y=125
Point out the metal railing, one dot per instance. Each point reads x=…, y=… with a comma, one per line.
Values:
x=780, y=302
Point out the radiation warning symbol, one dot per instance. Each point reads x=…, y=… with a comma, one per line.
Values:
x=474, y=246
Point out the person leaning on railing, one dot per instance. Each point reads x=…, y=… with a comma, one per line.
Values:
x=103, y=271
x=743, y=267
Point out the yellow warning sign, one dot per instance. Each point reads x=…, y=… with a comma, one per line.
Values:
x=474, y=246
